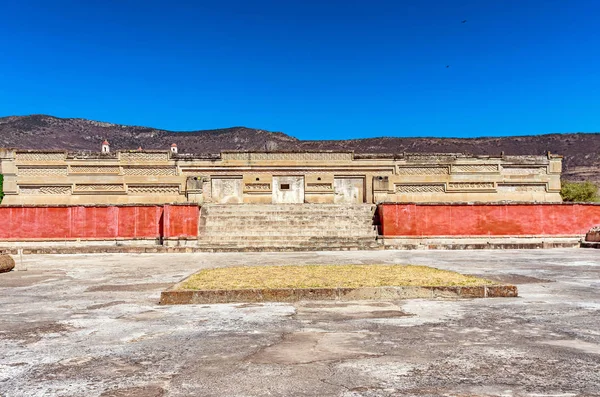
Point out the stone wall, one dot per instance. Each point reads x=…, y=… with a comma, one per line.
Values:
x=157, y=177
x=180, y=222
x=98, y=222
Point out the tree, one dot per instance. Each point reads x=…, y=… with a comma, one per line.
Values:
x=1, y=187
x=583, y=192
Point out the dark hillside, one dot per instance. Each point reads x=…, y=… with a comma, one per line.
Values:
x=581, y=151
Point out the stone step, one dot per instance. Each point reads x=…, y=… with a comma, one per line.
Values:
x=283, y=214
x=287, y=226
x=288, y=230
x=289, y=213
x=270, y=224
x=285, y=239
x=256, y=227
x=287, y=207
x=86, y=249
x=285, y=230
x=279, y=248
x=286, y=214
x=291, y=240
x=295, y=237
x=306, y=212
x=246, y=236
x=275, y=214
x=269, y=243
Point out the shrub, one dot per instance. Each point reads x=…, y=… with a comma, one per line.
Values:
x=579, y=191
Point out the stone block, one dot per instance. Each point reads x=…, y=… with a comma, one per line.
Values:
x=593, y=236
x=170, y=297
x=315, y=294
x=173, y=296
x=271, y=295
x=445, y=292
x=472, y=292
x=501, y=291
x=7, y=263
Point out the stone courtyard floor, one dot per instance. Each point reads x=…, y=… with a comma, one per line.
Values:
x=89, y=325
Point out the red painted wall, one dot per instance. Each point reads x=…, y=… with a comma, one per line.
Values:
x=98, y=222
x=180, y=221
x=487, y=219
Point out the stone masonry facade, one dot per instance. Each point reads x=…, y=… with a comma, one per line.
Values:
x=157, y=177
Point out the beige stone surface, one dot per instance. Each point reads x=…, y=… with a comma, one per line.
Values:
x=90, y=325
x=153, y=177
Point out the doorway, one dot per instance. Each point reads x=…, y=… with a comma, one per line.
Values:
x=288, y=189
x=349, y=190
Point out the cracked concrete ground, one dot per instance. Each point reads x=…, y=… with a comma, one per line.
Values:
x=89, y=325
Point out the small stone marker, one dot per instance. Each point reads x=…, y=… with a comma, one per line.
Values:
x=7, y=263
x=593, y=236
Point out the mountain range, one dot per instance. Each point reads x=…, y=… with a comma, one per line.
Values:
x=581, y=151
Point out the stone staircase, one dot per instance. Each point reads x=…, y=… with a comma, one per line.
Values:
x=287, y=227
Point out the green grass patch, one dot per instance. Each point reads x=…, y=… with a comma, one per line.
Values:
x=326, y=276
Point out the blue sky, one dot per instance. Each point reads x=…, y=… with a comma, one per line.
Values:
x=315, y=69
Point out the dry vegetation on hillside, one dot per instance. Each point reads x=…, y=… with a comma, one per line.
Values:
x=581, y=151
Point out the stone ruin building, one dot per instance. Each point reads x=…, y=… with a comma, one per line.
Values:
x=164, y=176
x=277, y=200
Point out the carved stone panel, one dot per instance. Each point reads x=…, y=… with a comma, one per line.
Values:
x=470, y=185
x=430, y=158
x=39, y=190
x=470, y=168
x=151, y=171
x=288, y=156
x=41, y=171
x=422, y=170
x=420, y=188
x=99, y=187
x=523, y=170
x=39, y=156
x=153, y=189
x=515, y=187
x=94, y=169
x=319, y=186
x=144, y=156
x=226, y=190
x=257, y=187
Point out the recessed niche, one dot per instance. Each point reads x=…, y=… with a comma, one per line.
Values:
x=285, y=186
